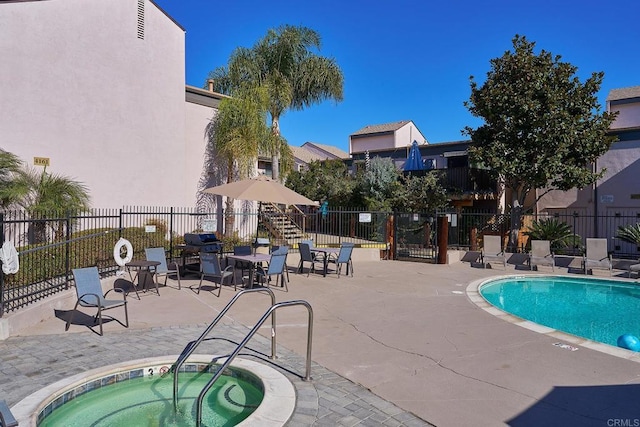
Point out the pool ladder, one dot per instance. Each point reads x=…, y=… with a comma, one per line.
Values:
x=191, y=347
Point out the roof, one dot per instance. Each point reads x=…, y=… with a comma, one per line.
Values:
x=624, y=93
x=330, y=149
x=304, y=155
x=387, y=127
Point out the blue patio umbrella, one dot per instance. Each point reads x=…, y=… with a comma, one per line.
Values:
x=414, y=160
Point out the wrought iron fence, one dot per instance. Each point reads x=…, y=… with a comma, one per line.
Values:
x=51, y=246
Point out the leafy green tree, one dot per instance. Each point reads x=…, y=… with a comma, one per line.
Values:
x=327, y=180
x=10, y=165
x=379, y=183
x=285, y=63
x=543, y=127
x=420, y=194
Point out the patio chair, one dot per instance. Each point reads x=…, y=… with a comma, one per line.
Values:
x=344, y=257
x=634, y=268
x=597, y=256
x=210, y=267
x=541, y=254
x=492, y=251
x=306, y=255
x=284, y=250
x=89, y=295
x=276, y=267
x=165, y=268
x=242, y=265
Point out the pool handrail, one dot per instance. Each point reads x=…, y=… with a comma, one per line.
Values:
x=244, y=342
x=191, y=346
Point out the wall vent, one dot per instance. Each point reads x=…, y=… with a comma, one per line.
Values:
x=141, y=19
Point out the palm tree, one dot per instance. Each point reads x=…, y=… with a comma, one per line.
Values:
x=294, y=76
x=236, y=134
x=10, y=165
x=45, y=195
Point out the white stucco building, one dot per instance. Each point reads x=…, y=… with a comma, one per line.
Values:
x=98, y=89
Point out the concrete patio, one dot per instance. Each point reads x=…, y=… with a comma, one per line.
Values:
x=398, y=343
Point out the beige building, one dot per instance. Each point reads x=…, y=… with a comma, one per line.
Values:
x=97, y=90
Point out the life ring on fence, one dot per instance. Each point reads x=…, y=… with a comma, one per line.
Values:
x=9, y=258
x=117, y=252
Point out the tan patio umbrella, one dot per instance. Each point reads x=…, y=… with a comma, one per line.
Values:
x=260, y=189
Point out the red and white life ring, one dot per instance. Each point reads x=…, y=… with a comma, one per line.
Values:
x=117, y=252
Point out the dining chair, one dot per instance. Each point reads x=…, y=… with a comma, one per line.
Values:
x=210, y=267
x=242, y=265
x=282, y=249
x=165, y=268
x=306, y=255
x=344, y=257
x=276, y=267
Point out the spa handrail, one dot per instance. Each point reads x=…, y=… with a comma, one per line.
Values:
x=191, y=347
x=244, y=342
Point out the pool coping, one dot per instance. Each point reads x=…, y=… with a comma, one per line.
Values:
x=473, y=293
x=275, y=410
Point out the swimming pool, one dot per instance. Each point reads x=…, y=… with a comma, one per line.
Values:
x=596, y=309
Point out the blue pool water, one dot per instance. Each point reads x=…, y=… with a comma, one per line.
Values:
x=596, y=309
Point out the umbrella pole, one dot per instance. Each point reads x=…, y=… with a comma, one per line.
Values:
x=255, y=243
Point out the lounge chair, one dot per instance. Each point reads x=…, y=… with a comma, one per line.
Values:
x=89, y=294
x=492, y=251
x=277, y=267
x=210, y=267
x=164, y=269
x=541, y=254
x=597, y=256
x=343, y=258
x=306, y=255
x=634, y=268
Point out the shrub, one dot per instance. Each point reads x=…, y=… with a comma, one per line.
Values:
x=557, y=232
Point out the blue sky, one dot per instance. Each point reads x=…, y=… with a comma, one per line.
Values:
x=411, y=60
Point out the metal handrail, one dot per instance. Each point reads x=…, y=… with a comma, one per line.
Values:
x=191, y=347
x=244, y=342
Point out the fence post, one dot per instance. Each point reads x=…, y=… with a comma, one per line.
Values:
x=443, y=233
x=67, y=251
x=391, y=236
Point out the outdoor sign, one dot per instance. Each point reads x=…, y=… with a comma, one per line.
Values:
x=416, y=217
x=150, y=228
x=606, y=198
x=364, y=217
x=453, y=219
x=41, y=161
x=209, y=225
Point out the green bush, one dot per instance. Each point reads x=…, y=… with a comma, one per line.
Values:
x=629, y=233
x=559, y=234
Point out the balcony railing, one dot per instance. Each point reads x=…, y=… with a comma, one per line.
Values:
x=465, y=180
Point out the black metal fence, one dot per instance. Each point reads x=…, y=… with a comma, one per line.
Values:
x=50, y=247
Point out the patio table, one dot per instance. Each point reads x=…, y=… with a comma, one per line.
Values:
x=145, y=270
x=326, y=252
x=253, y=259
